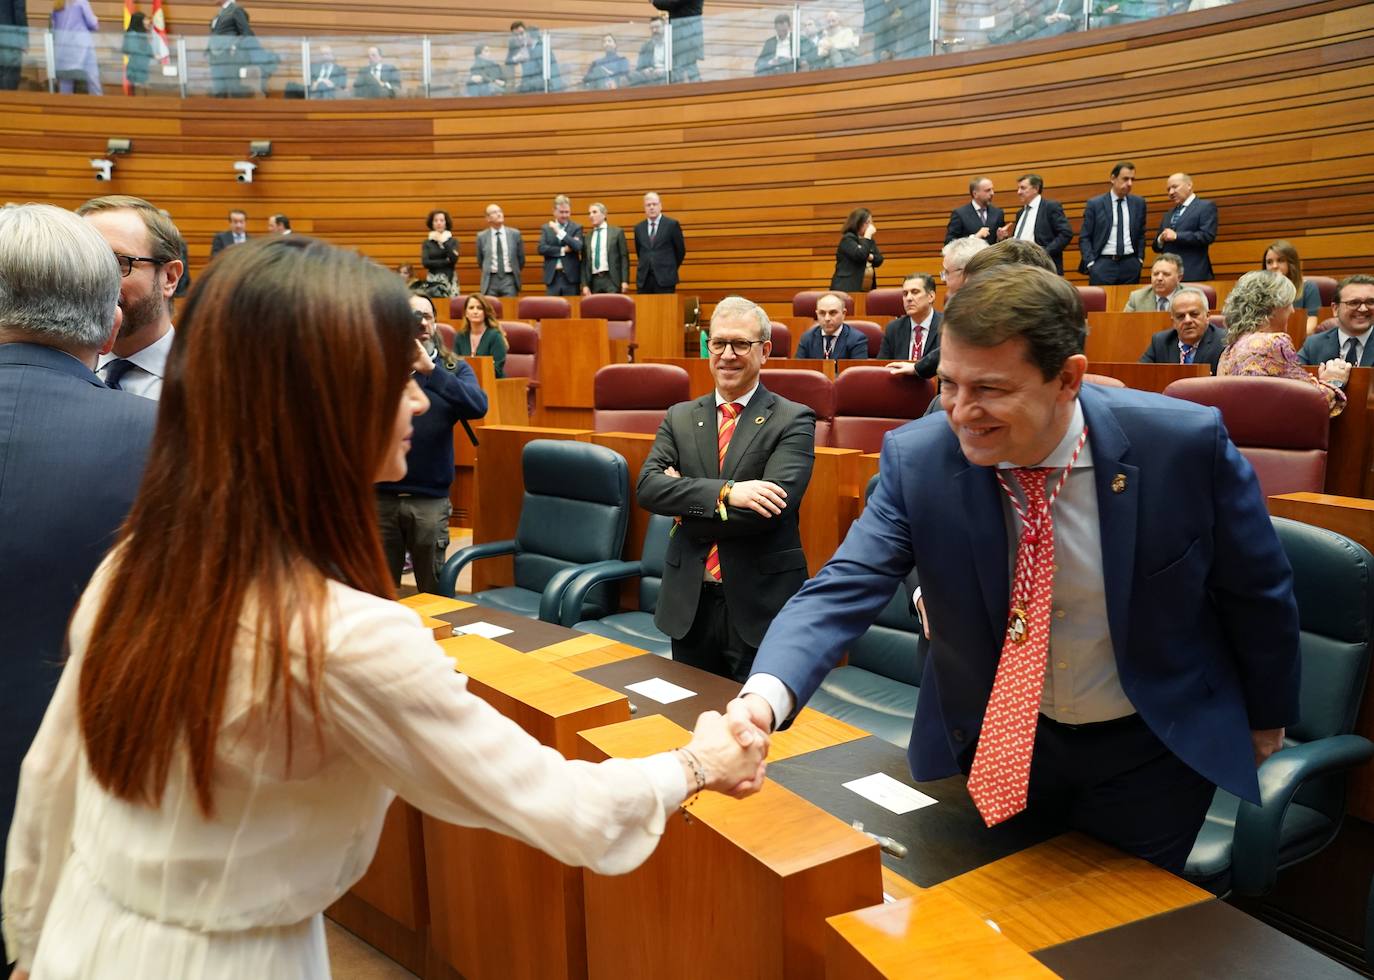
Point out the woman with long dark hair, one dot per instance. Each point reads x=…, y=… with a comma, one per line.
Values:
x=857, y=255
x=243, y=699
x=1282, y=257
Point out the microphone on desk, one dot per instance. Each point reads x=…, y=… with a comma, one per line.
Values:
x=888, y=845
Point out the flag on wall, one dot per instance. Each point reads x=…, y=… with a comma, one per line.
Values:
x=161, y=50
x=128, y=15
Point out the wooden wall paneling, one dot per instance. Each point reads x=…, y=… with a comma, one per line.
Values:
x=500, y=488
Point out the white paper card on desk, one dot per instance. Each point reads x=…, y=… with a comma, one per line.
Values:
x=882, y=789
x=987, y=23
x=490, y=630
x=657, y=689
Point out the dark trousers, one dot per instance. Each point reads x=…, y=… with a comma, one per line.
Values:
x=1119, y=783
x=650, y=285
x=1110, y=271
x=561, y=285
x=604, y=282
x=501, y=284
x=712, y=643
x=417, y=524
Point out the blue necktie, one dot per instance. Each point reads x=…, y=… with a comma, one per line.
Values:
x=115, y=370
x=1185, y=353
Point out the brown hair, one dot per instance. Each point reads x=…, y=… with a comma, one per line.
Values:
x=488, y=312
x=1285, y=250
x=857, y=221
x=279, y=400
x=1020, y=301
x=1013, y=251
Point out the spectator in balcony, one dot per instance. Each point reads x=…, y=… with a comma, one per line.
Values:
x=839, y=43
x=1257, y=342
x=327, y=78
x=1282, y=257
x=73, y=25
x=779, y=55
x=609, y=71
x=525, y=55
x=378, y=80
x=857, y=255
x=14, y=39
x=138, y=49
x=900, y=28
x=685, y=17
x=228, y=49
x=651, y=65
x=486, y=76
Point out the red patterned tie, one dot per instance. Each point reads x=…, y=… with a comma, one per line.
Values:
x=1000, y=776
x=915, y=341
x=729, y=411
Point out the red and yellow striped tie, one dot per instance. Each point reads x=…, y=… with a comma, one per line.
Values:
x=729, y=411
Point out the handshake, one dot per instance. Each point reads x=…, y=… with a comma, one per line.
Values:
x=727, y=752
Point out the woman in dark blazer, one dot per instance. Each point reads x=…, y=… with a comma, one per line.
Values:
x=856, y=253
x=480, y=333
x=439, y=253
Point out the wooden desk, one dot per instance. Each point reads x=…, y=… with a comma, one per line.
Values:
x=659, y=323
x=1148, y=377
x=570, y=352
x=506, y=405
x=1121, y=336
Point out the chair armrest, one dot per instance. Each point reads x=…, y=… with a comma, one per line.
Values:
x=1255, y=852
x=566, y=591
x=448, y=577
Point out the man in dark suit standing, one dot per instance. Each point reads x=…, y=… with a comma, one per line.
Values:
x=1147, y=579
x=914, y=336
x=72, y=451
x=236, y=234
x=500, y=255
x=560, y=242
x=979, y=217
x=1354, y=315
x=227, y=50
x=684, y=18
x=1112, y=239
x=659, y=248
x=1188, y=229
x=1040, y=220
x=731, y=467
x=1192, y=339
x=327, y=78
x=607, y=265
x=377, y=79
x=14, y=40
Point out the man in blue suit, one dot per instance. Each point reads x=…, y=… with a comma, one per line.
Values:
x=1354, y=316
x=71, y=450
x=560, y=242
x=1188, y=229
x=1167, y=636
x=1112, y=239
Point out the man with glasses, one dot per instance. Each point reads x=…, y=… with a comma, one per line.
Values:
x=1354, y=315
x=147, y=247
x=955, y=256
x=731, y=469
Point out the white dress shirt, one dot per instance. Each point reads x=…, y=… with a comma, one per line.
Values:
x=505, y=249
x=149, y=366
x=1025, y=226
x=1345, y=338
x=1128, y=248
x=599, y=249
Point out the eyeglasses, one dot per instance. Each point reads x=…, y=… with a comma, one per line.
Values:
x=1357, y=304
x=126, y=263
x=740, y=347
x=422, y=317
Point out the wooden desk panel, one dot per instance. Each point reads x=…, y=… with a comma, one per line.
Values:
x=1348, y=458
x=825, y=511
x=765, y=871
x=1121, y=336
x=1148, y=377
x=659, y=323
x=570, y=352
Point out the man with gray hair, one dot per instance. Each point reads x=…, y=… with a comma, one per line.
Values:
x=730, y=468
x=560, y=242
x=72, y=452
x=607, y=268
x=148, y=248
x=1192, y=339
x=955, y=256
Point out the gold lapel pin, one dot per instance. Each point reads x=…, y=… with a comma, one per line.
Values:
x=759, y=420
x=1119, y=483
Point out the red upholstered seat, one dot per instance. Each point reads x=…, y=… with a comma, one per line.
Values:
x=872, y=331
x=1105, y=380
x=804, y=303
x=1218, y=321
x=781, y=335
x=885, y=302
x=1094, y=298
x=1207, y=291
x=457, y=304
x=617, y=309
x=810, y=388
x=543, y=308
x=1280, y=425
x=447, y=333
x=1326, y=286
x=635, y=397
x=522, y=356
x=869, y=402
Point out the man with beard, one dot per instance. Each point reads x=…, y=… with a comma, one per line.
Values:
x=148, y=248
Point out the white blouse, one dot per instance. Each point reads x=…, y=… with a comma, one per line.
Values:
x=142, y=891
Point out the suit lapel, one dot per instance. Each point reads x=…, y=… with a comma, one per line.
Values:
x=1117, y=511
x=977, y=487
x=1366, y=356
x=747, y=428
x=707, y=430
x=902, y=341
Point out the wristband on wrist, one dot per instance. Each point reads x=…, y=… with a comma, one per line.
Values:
x=698, y=773
x=720, y=500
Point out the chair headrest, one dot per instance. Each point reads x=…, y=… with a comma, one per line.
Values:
x=874, y=393
x=619, y=386
x=810, y=388
x=578, y=470
x=608, y=306
x=1272, y=413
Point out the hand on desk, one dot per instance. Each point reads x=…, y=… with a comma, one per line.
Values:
x=733, y=762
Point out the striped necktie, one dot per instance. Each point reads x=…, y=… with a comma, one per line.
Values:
x=729, y=412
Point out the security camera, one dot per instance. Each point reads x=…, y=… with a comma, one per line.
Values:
x=245, y=171
x=103, y=169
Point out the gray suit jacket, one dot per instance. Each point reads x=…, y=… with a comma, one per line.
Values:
x=485, y=253
x=72, y=452
x=617, y=255
x=1142, y=300
x=1322, y=347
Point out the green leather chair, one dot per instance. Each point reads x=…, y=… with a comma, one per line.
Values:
x=574, y=514
x=1241, y=846
x=635, y=627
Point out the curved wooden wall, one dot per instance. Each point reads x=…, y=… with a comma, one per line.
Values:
x=1267, y=103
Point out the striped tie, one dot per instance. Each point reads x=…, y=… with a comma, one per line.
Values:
x=729, y=411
